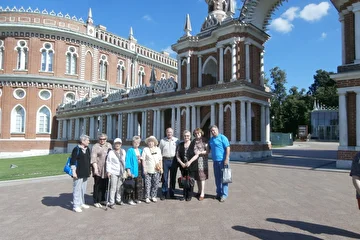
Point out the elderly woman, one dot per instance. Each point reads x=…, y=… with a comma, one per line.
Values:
x=133, y=166
x=152, y=165
x=200, y=148
x=98, y=155
x=188, y=162
x=80, y=165
x=115, y=167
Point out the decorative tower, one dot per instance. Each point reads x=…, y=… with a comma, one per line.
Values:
x=218, y=11
x=90, y=24
x=187, y=27
x=132, y=39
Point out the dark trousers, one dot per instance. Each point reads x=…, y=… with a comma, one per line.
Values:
x=167, y=164
x=100, y=185
x=188, y=192
x=173, y=172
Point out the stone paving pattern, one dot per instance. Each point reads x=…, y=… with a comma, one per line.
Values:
x=268, y=200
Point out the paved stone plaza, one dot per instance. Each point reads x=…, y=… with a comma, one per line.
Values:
x=286, y=197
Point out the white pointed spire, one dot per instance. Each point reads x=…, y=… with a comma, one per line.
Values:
x=131, y=34
x=231, y=7
x=90, y=20
x=187, y=27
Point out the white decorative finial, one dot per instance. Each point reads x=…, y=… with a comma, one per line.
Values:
x=187, y=27
x=89, y=20
x=131, y=34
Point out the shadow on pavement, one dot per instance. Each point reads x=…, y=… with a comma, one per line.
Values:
x=64, y=200
x=307, y=153
x=315, y=228
x=273, y=235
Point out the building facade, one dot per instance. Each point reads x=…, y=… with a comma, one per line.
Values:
x=324, y=123
x=49, y=59
x=219, y=81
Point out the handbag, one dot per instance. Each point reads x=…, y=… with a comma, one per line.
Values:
x=67, y=167
x=226, y=175
x=186, y=182
x=129, y=184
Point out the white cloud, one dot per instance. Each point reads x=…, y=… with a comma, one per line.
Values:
x=281, y=25
x=147, y=18
x=323, y=35
x=291, y=13
x=169, y=50
x=314, y=12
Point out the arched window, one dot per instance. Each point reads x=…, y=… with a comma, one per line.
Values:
x=163, y=76
x=141, y=75
x=69, y=97
x=2, y=54
x=47, y=57
x=43, y=120
x=71, y=60
x=103, y=64
x=120, y=72
x=22, y=55
x=18, y=119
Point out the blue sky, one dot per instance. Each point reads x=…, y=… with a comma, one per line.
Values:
x=305, y=34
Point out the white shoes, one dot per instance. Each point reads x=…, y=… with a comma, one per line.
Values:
x=131, y=202
x=84, y=206
x=97, y=205
x=77, y=209
x=147, y=200
x=154, y=199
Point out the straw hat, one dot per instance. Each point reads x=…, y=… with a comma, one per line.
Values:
x=152, y=138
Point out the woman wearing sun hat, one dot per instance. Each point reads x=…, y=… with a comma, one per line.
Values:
x=152, y=165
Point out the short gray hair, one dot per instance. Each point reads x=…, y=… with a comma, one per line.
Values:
x=213, y=126
x=83, y=137
x=136, y=139
x=102, y=135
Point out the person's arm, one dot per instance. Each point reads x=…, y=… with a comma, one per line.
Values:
x=227, y=156
x=178, y=158
x=143, y=156
x=93, y=162
x=128, y=161
x=108, y=163
x=73, y=160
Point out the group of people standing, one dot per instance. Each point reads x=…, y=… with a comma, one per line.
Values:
x=147, y=167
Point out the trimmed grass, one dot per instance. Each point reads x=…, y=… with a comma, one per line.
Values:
x=31, y=167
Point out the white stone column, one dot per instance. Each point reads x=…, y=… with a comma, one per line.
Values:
x=262, y=68
x=101, y=130
x=358, y=118
x=247, y=61
x=198, y=120
x=86, y=124
x=108, y=126
x=233, y=61
x=193, y=117
x=60, y=122
x=178, y=122
x=188, y=118
x=343, y=126
x=162, y=124
x=356, y=11
x=221, y=117
x=154, y=122
x=92, y=128
x=343, y=52
x=120, y=125
x=77, y=128
x=70, y=136
x=221, y=65
x=233, y=122
x=199, y=71
x=248, y=123
x=263, y=124
x=143, y=125
x=242, y=122
x=267, y=127
x=173, y=118
x=188, y=72
x=212, y=114
x=64, y=129
x=179, y=74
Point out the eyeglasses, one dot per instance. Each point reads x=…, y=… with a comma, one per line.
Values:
x=186, y=135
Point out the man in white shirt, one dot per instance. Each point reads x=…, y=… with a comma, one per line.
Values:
x=168, y=150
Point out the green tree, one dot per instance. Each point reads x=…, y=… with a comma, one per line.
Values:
x=324, y=89
x=279, y=94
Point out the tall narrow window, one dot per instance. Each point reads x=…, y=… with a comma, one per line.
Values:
x=71, y=61
x=103, y=64
x=22, y=55
x=163, y=76
x=47, y=57
x=2, y=54
x=18, y=120
x=43, y=120
x=141, y=75
x=120, y=72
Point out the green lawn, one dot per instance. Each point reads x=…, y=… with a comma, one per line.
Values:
x=30, y=167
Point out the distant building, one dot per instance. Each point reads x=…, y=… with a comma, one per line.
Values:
x=324, y=123
x=49, y=59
